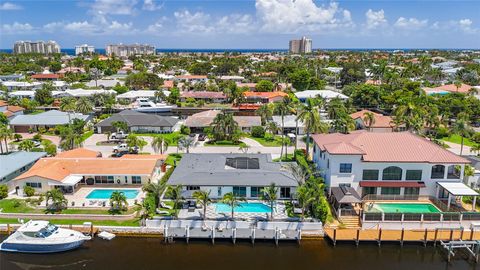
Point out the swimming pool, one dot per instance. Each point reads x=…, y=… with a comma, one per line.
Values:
x=243, y=208
x=106, y=193
x=416, y=208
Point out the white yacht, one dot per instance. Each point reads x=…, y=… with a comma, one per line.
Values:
x=38, y=236
x=144, y=105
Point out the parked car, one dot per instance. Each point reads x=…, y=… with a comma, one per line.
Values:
x=202, y=137
x=36, y=143
x=123, y=147
x=118, y=135
x=119, y=154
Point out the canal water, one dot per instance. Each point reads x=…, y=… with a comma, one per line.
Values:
x=152, y=253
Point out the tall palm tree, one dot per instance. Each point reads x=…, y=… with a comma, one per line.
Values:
x=265, y=112
x=69, y=139
x=233, y=201
x=160, y=144
x=26, y=145
x=461, y=128
x=310, y=117
x=297, y=172
x=58, y=200
x=304, y=198
x=270, y=196
x=273, y=128
x=369, y=119
x=68, y=104
x=203, y=198
x=475, y=149
x=224, y=126
x=84, y=105
x=5, y=134
x=118, y=200
x=187, y=142
x=175, y=193
x=282, y=108
x=156, y=189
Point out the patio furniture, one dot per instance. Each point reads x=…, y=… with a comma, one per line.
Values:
x=162, y=212
x=166, y=206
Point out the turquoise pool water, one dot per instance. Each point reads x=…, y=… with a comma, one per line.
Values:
x=416, y=208
x=243, y=208
x=106, y=193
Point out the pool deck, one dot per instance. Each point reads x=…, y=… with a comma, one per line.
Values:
x=279, y=213
x=80, y=200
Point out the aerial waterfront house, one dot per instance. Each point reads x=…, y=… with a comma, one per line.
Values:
x=326, y=94
x=16, y=163
x=381, y=123
x=207, y=96
x=289, y=124
x=10, y=111
x=243, y=174
x=139, y=122
x=396, y=163
x=71, y=169
x=48, y=119
x=264, y=97
x=197, y=122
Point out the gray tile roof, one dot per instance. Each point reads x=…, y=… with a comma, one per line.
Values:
x=211, y=170
x=49, y=118
x=16, y=160
x=134, y=118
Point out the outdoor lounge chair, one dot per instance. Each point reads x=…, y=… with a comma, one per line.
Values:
x=166, y=206
x=162, y=212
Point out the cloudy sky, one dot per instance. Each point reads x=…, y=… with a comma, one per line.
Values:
x=244, y=23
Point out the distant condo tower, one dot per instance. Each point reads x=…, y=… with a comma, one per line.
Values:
x=84, y=48
x=36, y=47
x=122, y=50
x=303, y=45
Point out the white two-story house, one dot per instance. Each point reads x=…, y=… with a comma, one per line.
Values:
x=399, y=163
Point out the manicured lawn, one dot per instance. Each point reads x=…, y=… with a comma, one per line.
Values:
x=86, y=135
x=170, y=211
x=225, y=143
x=17, y=206
x=274, y=142
x=454, y=138
x=131, y=222
x=172, y=157
x=172, y=137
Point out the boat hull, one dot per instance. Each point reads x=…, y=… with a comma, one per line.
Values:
x=40, y=248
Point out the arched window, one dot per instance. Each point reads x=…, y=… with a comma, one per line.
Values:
x=453, y=172
x=392, y=173
x=438, y=172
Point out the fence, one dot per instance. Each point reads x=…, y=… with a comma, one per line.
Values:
x=403, y=217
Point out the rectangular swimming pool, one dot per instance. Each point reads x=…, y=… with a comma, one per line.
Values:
x=106, y=193
x=243, y=208
x=415, y=208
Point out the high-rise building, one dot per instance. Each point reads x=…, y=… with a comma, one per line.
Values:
x=84, y=48
x=303, y=45
x=122, y=50
x=36, y=47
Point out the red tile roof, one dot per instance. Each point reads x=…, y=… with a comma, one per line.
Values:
x=386, y=147
x=191, y=77
x=452, y=88
x=248, y=106
x=269, y=95
x=203, y=94
x=168, y=84
x=45, y=76
x=15, y=109
x=381, y=121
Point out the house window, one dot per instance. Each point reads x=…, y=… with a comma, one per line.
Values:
x=370, y=175
x=414, y=175
x=193, y=188
x=453, y=172
x=368, y=191
x=110, y=179
x=412, y=191
x=285, y=192
x=345, y=167
x=136, y=179
x=256, y=192
x=34, y=184
x=390, y=191
x=240, y=191
x=438, y=172
x=392, y=173
x=328, y=163
x=219, y=192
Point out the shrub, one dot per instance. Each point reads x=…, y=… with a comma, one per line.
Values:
x=16, y=203
x=37, y=137
x=51, y=149
x=185, y=130
x=167, y=174
x=42, y=130
x=476, y=137
x=268, y=137
x=17, y=137
x=442, y=132
x=29, y=191
x=258, y=132
x=3, y=191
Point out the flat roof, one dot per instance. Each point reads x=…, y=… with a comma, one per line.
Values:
x=457, y=189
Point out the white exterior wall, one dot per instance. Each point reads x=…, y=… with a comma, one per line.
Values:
x=226, y=189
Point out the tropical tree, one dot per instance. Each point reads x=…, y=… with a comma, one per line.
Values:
x=55, y=200
x=475, y=149
x=84, y=105
x=369, y=119
x=26, y=145
x=283, y=108
x=343, y=123
x=156, y=190
x=135, y=141
x=120, y=126
x=244, y=148
x=265, y=112
x=233, y=201
x=69, y=138
x=160, y=144
x=67, y=104
x=461, y=128
x=118, y=200
x=108, y=134
x=297, y=171
x=224, y=127
x=270, y=196
x=304, y=198
x=310, y=117
x=175, y=194
x=272, y=127
x=203, y=198
x=187, y=142
x=5, y=134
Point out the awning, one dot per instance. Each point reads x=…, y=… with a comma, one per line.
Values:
x=345, y=194
x=457, y=189
x=70, y=180
x=404, y=184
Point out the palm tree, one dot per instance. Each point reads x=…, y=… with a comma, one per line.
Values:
x=270, y=196
x=160, y=144
x=310, y=117
x=297, y=172
x=202, y=198
x=244, y=148
x=224, y=127
x=58, y=201
x=118, y=200
x=265, y=113
x=273, y=128
x=233, y=201
x=304, y=198
x=175, y=193
x=135, y=141
x=155, y=189
x=187, y=142
x=108, y=134
x=369, y=119
x=475, y=149
x=461, y=128
x=5, y=134
x=26, y=145
x=84, y=105
x=69, y=138
x=283, y=109
x=67, y=104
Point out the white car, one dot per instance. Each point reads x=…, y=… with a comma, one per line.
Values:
x=123, y=147
x=119, y=135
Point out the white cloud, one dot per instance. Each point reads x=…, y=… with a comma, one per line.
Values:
x=197, y=22
x=115, y=7
x=375, y=19
x=10, y=6
x=410, y=23
x=150, y=5
x=462, y=25
x=82, y=27
x=289, y=16
x=16, y=28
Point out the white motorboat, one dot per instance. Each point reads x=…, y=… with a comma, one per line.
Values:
x=144, y=105
x=38, y=236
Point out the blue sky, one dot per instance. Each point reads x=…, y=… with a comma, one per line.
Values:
x=244, y=23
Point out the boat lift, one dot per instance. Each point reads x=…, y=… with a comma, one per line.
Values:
x=472, y=248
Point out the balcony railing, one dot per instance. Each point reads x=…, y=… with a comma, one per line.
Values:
x=430, y=217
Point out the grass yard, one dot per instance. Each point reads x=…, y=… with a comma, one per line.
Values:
x=86, y=135
x=171, y=158
x=454, y=138
x=225, y=143
x=274, y=142
x=132, y=222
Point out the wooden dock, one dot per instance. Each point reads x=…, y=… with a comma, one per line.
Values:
x=406, y=235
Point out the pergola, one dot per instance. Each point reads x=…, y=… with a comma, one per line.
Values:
x=457, y=189
x=344, y=195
